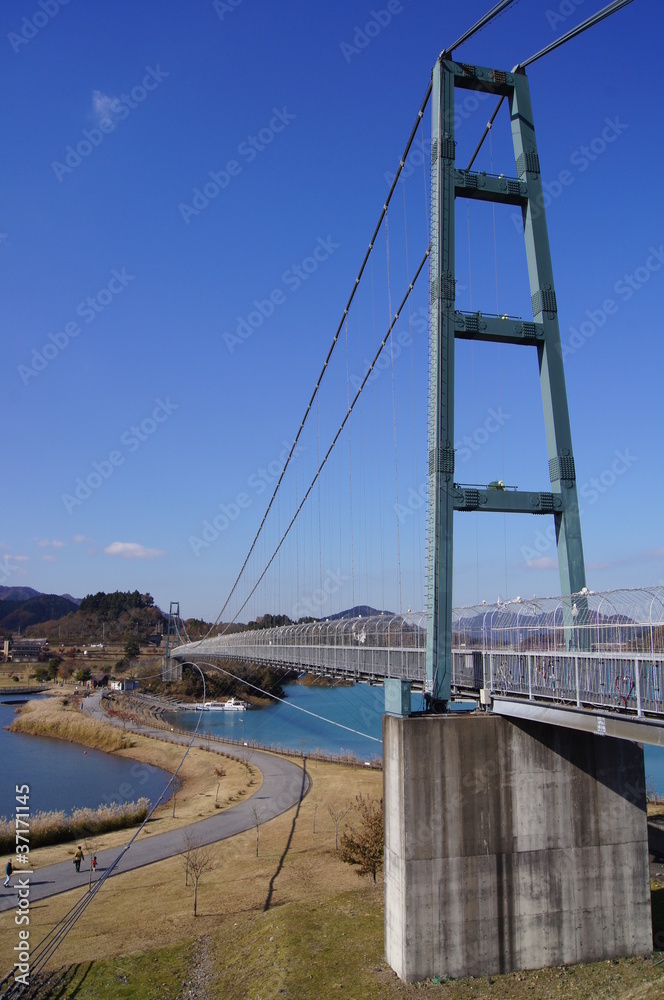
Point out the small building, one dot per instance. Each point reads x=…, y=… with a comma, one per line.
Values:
x=29, y=650
x=97, y=681
x=126, y=684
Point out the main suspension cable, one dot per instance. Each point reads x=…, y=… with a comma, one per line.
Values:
x=483, y=21
x=588, y=23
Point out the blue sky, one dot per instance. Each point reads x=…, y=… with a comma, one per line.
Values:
x=135, y=409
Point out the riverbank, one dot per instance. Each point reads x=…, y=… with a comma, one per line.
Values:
x=294, y=921
x=201, y=790
x=294, y=910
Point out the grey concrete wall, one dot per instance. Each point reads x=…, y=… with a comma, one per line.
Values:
x=511, y=845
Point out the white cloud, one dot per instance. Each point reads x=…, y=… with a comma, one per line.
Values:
x=103, y=106
x=44, y=543
x=49, y=558
x=543, y=562
x=20, y=558
x=132, y=550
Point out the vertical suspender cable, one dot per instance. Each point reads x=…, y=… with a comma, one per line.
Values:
x=350, y=479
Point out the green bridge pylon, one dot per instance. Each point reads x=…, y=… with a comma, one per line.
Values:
x=446, y=323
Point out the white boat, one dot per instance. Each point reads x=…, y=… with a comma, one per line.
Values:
x=232, y=705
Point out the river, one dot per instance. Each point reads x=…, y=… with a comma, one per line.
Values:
x=62, y=776
x=65, y=775
x=359, y=707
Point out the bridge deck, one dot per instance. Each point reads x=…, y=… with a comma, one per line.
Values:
x=629, y=684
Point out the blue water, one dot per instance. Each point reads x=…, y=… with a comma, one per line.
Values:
x=62, y=776
x=359, y=707
x=283, y=724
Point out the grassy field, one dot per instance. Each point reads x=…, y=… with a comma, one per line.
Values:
x=293, y=922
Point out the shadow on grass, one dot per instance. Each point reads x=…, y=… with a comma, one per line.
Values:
x=65, y=983
x=303, y=791
x=657, y=905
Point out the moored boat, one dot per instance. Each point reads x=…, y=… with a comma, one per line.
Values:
x=232, y=705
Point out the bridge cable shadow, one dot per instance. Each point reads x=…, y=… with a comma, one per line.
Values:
x=58, y=983
x=306, y=783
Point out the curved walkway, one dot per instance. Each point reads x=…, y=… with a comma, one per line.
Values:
x=284, y=785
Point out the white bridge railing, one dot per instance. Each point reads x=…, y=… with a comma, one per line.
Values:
x=626, y=682
x=588, y=650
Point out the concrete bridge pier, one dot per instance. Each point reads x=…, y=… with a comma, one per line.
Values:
x=511, y=845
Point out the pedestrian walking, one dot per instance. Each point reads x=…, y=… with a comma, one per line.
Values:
x=9, y=868
x=78, y=857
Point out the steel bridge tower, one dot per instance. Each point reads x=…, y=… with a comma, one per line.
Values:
x=446, y=323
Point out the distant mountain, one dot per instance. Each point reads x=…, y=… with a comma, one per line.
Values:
x=74, y=600
x=360, y=609
x=17, y=614
x=17, y=593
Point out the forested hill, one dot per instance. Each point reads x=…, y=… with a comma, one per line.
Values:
x=114, y=617
x=21, y=614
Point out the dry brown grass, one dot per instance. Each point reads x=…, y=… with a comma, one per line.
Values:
x=62, y=719
x=320, y=936
x=151, y=908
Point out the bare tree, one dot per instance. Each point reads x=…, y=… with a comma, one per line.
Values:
x=197, y=861
x=338, y=811
x=315, y=801
x=257, y=816
x=221, y=773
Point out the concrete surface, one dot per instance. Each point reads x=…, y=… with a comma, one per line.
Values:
x=511, y=845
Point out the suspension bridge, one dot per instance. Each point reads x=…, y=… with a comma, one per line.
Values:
x=519, y=657
x=515, y=837
x=495, y=823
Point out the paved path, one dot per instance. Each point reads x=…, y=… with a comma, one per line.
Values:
x=284, y=784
